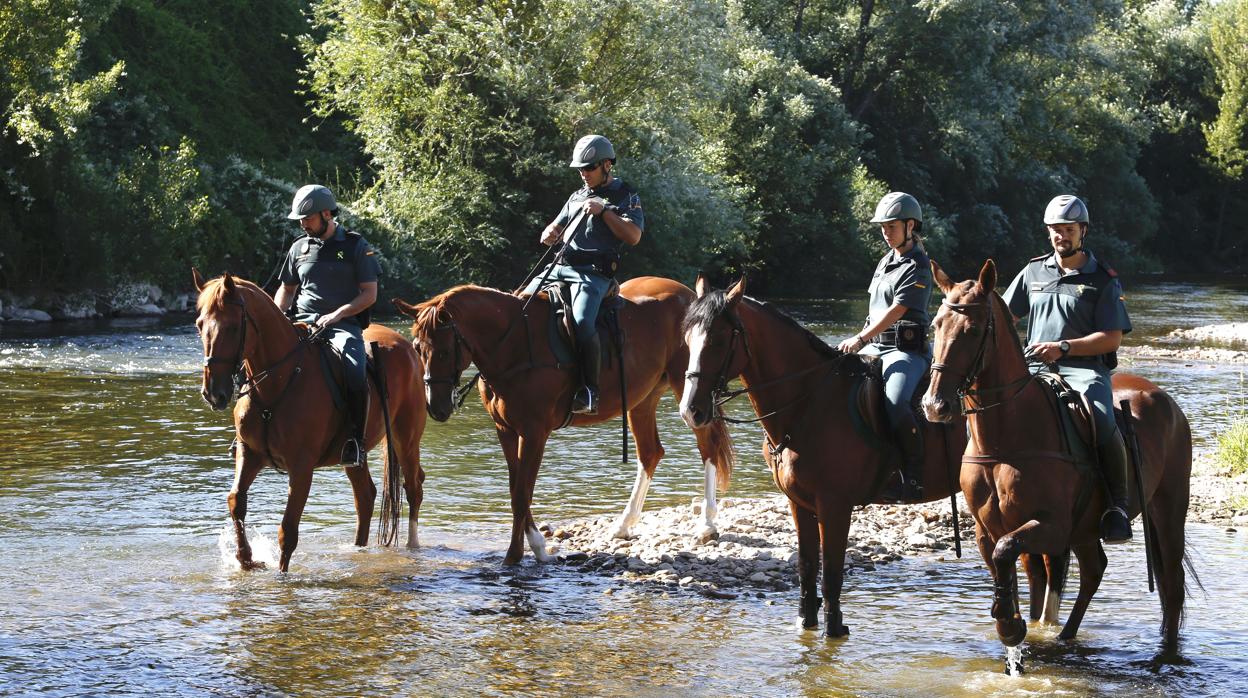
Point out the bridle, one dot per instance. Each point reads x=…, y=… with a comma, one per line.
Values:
x=966, y=394
x=244, y=384
x=237, y=372
x=721, y=395
x=458, y=392
x=720, y=388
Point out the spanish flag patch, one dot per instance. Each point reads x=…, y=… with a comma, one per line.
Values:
x=920, y=285
x=370, y=253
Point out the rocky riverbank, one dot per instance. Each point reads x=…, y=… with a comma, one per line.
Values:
x=756, y=551
x=124, y=300
x=1214, y=344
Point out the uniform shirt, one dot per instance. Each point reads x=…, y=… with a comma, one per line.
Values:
x=326, y=278
x=1067, y=305
x=904, y=280
x=592, y=234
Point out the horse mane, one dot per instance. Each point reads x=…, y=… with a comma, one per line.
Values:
x=703, y=311
x=427, y=312
x=212, y=297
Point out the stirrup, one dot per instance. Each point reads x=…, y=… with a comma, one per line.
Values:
x=1115, y=526
x=352, y=454
x=585, y=401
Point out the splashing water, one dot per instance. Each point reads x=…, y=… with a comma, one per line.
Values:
x=263, y=548
x=1014, y=660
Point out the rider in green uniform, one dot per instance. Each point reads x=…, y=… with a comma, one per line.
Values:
x=333, y=274
x=895, y=330
x=605, y=216
x=1076, y=320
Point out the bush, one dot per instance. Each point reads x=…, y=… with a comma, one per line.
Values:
x=1232, y=453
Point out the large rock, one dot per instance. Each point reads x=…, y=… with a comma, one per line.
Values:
x=27, y=315
x=143, y=310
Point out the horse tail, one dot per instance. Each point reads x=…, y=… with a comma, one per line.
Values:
x=722, y=452
x=1188, y=579
x=391, y=496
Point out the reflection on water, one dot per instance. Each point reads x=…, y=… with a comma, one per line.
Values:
x=120, y=581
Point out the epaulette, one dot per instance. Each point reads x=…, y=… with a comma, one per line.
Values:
x=1041, y=258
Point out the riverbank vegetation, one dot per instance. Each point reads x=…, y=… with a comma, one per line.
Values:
x=142, y=137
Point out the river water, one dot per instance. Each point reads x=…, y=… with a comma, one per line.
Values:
x=119, y=578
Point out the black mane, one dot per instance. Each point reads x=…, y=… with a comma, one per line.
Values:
x=703, y=311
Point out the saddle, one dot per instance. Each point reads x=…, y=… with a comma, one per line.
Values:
x=1074, y=418
x=563, y=326
x=332, y=361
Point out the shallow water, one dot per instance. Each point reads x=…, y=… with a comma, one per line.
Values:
x=120, y=581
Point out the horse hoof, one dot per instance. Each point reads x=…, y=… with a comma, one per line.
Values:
x=1012, y=632
x=834, y=632
x=250, y=565
x=706, y=534
x=622, y=532
x=807, y=624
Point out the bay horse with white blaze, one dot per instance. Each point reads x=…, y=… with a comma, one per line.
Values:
x=285, y=415
x=821, y=451
x=1026, y=491
x=528, y=391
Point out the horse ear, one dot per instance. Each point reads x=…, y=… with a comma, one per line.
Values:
x=404, y=307
x=736, y=291
x=227, y=282
x=942, y=279
x=700, y=286
x=199, y=279
x=988, y=276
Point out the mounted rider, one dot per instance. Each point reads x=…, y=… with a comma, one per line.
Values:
x=1076, y=320
x=332, y=273
x=895, y=330
x=604, y=216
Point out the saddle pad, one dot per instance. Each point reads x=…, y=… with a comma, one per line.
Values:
x=562, y=336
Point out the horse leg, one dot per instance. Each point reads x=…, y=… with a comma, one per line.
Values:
x=408, y=427
x=247, y=465
x=1092, y=562
x=296, y=500
x=807, y=525
x=1032, y=535
x=365, y=494
x=649, y=451
x=524, y=457
x=1037, y=580
x=1055, y=567
x=834, y=534
x=715, y=448
x=1167, y=516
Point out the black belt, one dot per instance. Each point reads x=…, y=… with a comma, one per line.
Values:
x=604, y=263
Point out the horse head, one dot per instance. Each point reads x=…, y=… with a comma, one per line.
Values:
x=442, y=351
x=717, y=349
x=963, y=339
x=222, y=325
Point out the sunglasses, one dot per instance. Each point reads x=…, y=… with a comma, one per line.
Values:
x=590, y=168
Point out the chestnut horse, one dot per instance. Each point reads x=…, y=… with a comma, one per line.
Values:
x=820, y=452
x=285, y=414
x=528, y=392
x=1025, y=492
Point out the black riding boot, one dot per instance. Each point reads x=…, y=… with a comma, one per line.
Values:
x=909, y=438
x=586, y=399
x=1115, y=526
x=353, y=452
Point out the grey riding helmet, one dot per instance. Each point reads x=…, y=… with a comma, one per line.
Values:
x=311, y=199
x=897, y=206
x=1066, y=208
x=591, y=150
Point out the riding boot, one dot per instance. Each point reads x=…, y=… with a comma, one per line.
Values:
x=1115, y=526
x=909, y=439
x=586, y=399
x=353, y=452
